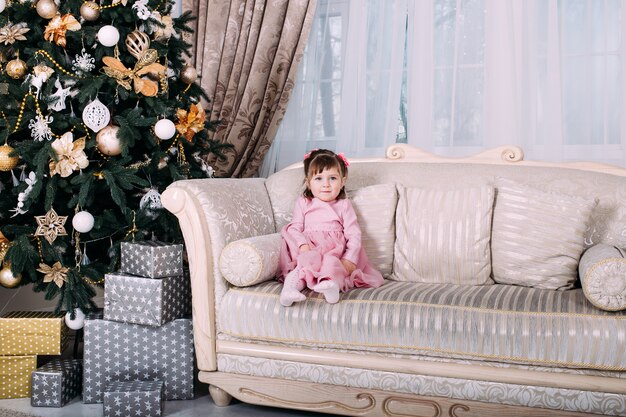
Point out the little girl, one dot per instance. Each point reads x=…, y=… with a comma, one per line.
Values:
x=321, y=246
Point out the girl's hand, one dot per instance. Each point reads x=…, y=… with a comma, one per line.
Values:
x=350, y=267
x=304, y=248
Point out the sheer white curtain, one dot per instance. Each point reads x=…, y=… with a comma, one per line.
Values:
x=458, y=76
x=348, y=91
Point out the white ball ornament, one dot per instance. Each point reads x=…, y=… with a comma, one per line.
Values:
x=165, y=129
x=78, y=322
x=83, y=222
x=3, y=5
x=108, y=35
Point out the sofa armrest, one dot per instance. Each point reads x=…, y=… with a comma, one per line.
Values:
x=252, y=260
x=213, y=213
x=602, y=271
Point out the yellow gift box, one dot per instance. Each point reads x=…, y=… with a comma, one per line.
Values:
x=15, y=372
x=33, y=333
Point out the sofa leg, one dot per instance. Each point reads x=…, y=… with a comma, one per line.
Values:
x=220, y=397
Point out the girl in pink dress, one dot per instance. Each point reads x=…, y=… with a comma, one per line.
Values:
x=321, y=247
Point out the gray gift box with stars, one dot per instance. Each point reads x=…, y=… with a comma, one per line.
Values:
x=152, y=259
x=56, y=383
x=135, y=398
x=151, y=302
x=130, y=352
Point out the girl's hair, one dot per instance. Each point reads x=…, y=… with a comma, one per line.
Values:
x=317, y=161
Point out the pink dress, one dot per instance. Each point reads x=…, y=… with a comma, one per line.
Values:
x=332, y=232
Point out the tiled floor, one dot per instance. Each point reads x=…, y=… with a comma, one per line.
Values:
x=201, y=406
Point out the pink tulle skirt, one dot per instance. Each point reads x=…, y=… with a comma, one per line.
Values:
x=323, y=261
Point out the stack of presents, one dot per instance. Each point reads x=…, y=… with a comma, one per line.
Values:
x=137, y=352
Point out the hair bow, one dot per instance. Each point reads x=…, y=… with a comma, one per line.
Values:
x=344, y=159
x=308, y=154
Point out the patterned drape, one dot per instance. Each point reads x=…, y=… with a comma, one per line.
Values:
x=247, y=52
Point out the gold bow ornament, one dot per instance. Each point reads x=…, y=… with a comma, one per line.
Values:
x=124, y=76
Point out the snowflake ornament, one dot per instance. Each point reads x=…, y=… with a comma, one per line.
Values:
x=39, y=129
x=84, y=62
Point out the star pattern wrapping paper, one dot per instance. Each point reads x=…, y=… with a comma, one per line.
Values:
x=152, y=259
x=147, y=301
x=137, y=398
x=130, y=352
x=15, y=375
x=33, y=333
x=56, y=383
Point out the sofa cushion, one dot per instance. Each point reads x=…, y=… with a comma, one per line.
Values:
x=602, y=273
x=251, y=261
x=537, y=236
x=375, y=208
x=503, y=323
x=443, y=235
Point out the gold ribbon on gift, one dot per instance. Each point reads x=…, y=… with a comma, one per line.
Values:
x=125, y=77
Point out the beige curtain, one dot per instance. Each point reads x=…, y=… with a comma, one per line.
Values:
x=247, y=53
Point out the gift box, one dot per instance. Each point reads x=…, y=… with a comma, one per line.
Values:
x=147, y=301
x=15, y=375
x=116, y=351
x=136, y=398
x=152, y=259
x=33, y=333
x=56, y=383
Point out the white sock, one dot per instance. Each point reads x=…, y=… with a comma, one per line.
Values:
x=329, y=289
x=291, y=289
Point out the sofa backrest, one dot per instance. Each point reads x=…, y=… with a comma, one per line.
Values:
x=608, y=219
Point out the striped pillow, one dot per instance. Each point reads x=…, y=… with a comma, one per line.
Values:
x=537, y=236
x=443, y=236
x=375, y=208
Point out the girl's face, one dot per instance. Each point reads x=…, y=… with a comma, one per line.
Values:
x=326, y=185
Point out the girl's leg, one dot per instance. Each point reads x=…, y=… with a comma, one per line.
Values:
x=291, y=288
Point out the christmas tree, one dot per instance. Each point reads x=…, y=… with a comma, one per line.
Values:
x=99, y=113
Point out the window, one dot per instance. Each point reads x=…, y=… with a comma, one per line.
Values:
x=458, y=76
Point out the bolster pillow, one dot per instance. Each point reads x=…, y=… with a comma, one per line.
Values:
x=602, y=271
x=250, y=261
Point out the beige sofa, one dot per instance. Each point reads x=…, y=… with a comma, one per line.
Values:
x=434, y=340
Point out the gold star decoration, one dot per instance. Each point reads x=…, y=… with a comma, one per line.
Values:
x=56, y=273
x=51, y=225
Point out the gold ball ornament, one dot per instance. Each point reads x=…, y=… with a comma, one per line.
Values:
x=90, y=11
x=188, y=74
x=16, y=68
x=137, y=43
x=47, y=9
x=7, y=279
x=107, y=141
x=7, y=162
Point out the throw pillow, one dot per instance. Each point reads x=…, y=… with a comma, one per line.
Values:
x=443, y=236
x=602, y=273
x=375, y=208
x=250, y=261
x=537, y=236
